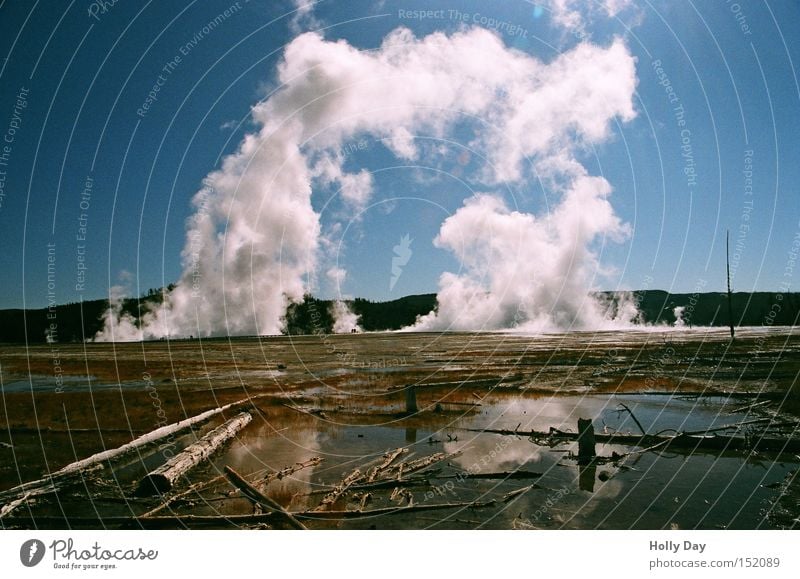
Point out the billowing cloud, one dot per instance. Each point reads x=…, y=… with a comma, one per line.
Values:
x=303, y=16
x=354, y=188
x=571, y=13
x=525, y=272
x=253, y=242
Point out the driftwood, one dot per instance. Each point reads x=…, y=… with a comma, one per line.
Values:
x=21, y=494
x=750, y=407
x=290, y=470
x=636, y=420
x=44, y=486
x=197, y=487
x=426, y=480
x=514, y=494
x=469, y=404
x=339, y=490
x=365, y=499
x=397, y=492
x=200, y=520
x=390, y=458
x=389, y=510
x=259, y=498
x=382, y=476
x=510, y=475
x=696, y=440
x=170, y=522
x=391, y=483
x=740, y=424
x=163, y=478
x=412, y=466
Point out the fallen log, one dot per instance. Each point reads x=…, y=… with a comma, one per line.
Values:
x=259, y=498
x=685, y=441
x=163, y=478
x=391, y=483
x=49, y=484
x=44, y=487
x=197, y=487
x=290, y=470
x=514, y=494
x=390, y=458
x=636, y=420
x=737, y=425
x=469, y=404
x=339, y=490
x=412, y=466
x=750, y=407
x=327, y=515
x=510, y=475
x=176, y=521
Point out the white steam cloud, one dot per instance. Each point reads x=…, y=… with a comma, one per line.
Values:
x=118, y=326
x=345, y=320
x=253, y=243
x=571, y=13
x=526, y=272
x=678, y=312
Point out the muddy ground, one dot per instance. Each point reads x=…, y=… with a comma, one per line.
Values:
x=342, y=399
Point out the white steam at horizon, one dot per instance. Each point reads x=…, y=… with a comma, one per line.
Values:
x=345, y=320
x=525, y=272
x=254, y=244
x=679, y=312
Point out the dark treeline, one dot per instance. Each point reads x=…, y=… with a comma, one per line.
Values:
x=76, y=321
x=711, y=309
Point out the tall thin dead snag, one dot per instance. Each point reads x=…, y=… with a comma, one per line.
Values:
x=730, y=294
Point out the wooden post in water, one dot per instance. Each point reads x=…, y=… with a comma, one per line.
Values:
x=586, y=442
x=587, y=473
x=411, y=399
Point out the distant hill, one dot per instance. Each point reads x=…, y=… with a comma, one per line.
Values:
x=76, y=321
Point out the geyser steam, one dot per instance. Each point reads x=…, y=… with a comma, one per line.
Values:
x=254, y=243
x=525, y=272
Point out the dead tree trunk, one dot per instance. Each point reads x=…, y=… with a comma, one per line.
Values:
x=289, y=470
x=259, y=498
x=586, y=441
x=333, y=496
x=389, y=459
x=411, y=399
x=730, y=294
x=163, y=478
x=18, y=495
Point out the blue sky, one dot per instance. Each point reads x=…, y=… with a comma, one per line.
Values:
x=72, y=84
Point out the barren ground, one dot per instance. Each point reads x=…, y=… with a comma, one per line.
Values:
x=342, y=398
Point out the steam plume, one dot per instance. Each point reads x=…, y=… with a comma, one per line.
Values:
x=344, y=319
x=253, y=243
